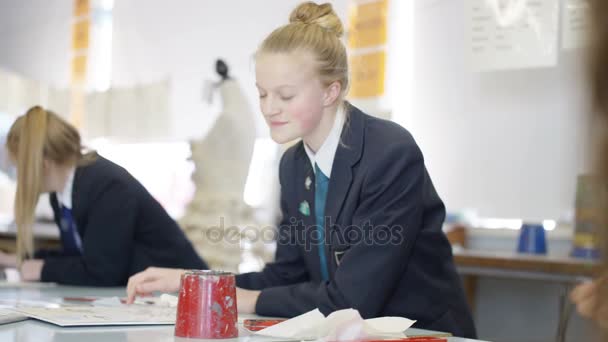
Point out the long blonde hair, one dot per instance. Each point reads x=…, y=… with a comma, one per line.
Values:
x=316, y=29
x=35, y=136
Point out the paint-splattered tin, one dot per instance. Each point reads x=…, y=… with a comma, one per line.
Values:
x=206, y=307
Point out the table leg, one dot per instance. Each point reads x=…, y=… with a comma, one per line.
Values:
x=565, y=311
x=469, y=282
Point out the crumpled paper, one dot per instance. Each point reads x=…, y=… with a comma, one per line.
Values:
x=342, y=325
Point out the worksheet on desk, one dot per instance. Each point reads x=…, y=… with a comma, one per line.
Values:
x=73, y=316
x=9, y=316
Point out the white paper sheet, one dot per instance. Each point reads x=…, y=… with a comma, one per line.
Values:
x=507, y=34
x=92, y=315
x=9, y=316
x=575, y=24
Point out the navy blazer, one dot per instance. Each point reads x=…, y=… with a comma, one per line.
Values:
x=386, y=252
x=123, y=229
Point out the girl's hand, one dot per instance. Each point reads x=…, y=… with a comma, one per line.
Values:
x=151, y=280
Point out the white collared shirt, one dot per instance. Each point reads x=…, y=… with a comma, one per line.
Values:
x=65, y=197
x=327, y=152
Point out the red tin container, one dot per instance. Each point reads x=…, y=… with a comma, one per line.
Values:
x=206, y=307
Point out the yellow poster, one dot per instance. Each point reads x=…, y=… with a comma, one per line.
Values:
x=81, y=8
x=81, y=24
x=79, y=69
x=77, y=99
x=367, y=73
x=367, y=24
x=80, y=34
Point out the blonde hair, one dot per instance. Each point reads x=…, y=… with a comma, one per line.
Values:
x=317, y=29
x=33, y=137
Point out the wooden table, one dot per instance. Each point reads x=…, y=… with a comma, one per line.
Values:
x=564, y=271
x=525, y=265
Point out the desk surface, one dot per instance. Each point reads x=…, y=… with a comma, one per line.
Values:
x=526, y=262
x=36, y=331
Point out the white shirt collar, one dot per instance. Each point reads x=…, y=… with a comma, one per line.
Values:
x=65, y=196
x=326, y=153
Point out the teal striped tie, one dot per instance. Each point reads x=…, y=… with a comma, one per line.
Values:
x=321, y=184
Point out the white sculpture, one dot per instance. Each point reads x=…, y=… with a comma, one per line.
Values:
x=215, y=218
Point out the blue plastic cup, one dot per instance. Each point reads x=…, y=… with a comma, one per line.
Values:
x=532, y=239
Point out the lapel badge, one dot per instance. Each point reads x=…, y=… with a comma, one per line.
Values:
x=305, y=208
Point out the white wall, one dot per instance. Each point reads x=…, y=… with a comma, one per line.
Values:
x=35, y=39
x=509, y=143
x=154, y=39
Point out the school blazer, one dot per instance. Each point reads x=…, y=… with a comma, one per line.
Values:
x=386, y=252
x=123, y=228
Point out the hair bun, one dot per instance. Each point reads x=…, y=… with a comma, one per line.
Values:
x=322, y=15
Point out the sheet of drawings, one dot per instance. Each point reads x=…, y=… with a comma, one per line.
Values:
x=91, y=315
x=512, y=34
